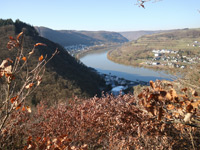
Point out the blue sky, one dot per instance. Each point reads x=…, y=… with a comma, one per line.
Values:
x=110, y=15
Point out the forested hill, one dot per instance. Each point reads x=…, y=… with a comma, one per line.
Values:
x=72, y=37
x=64, y=77
x=105, y=36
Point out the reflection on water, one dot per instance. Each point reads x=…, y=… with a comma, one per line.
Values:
x=100, y=62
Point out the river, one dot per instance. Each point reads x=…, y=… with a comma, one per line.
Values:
x=102, y=64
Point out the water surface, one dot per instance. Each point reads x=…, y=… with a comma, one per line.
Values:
x=99, y=61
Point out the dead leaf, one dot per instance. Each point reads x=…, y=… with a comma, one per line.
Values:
x=189, y=108
x=168, y=96
x=40, y=44
x=140, y=95
x=41, y=58
x=29, y=85
x=170, y=107
x=13, y=99
x=24, y=58
x=169, y=117
x=30, y=53
x=152, y=84
x=187, y=117
x=173, y=93
x=184, y=89
x=195, y=104
x=180, y=111
x=28, y=109
x=150, y=108
x=18, y=107
x=142, y=5
x=194, y=93
x=38, y=82
x=8, y=69
x=176, y=114
x=23, y=108
x=11, y=38
x=150, y=97
x=19, y=35
x=8, y=59
x=4, y=64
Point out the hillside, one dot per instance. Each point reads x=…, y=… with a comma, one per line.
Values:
x=134, y=35
x=64, y=77
x=72, y=37
x=105, y=36
x=65, y=37
x=131, y=52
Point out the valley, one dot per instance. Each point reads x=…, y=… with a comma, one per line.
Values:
x=172, y=51
x=89, y=95
x=100, y=75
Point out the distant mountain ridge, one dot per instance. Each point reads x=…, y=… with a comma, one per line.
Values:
x=72, y=37
x=134, y=35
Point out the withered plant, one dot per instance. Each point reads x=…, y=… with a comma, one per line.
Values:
x=160, y=117
x=18, y=80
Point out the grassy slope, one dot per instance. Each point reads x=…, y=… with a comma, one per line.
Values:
x=133, y=52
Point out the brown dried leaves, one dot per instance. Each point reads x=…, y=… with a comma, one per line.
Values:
x=14, y=43
x=167, y=103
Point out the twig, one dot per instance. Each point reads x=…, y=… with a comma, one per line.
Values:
x=191, y=137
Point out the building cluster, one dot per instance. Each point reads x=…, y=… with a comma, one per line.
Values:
x=194, y=44
x=74, y=49
x=172, y=59
x=164, y=51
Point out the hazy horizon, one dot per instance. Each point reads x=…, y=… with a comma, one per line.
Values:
x=112, y=15
x=112, y=31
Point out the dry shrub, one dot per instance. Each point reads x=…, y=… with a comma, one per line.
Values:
x=123, y=122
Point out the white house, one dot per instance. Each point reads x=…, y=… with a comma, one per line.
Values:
x=155, y=63
x=157, y=54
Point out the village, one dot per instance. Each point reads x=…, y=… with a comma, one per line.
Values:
x=173, y=59
x=74, y=49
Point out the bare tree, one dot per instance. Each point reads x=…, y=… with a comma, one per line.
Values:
x=14, y=91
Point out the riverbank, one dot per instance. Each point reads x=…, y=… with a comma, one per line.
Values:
x=148, y=63
x=120, y=85
x=120, y=77
x=94, y=49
